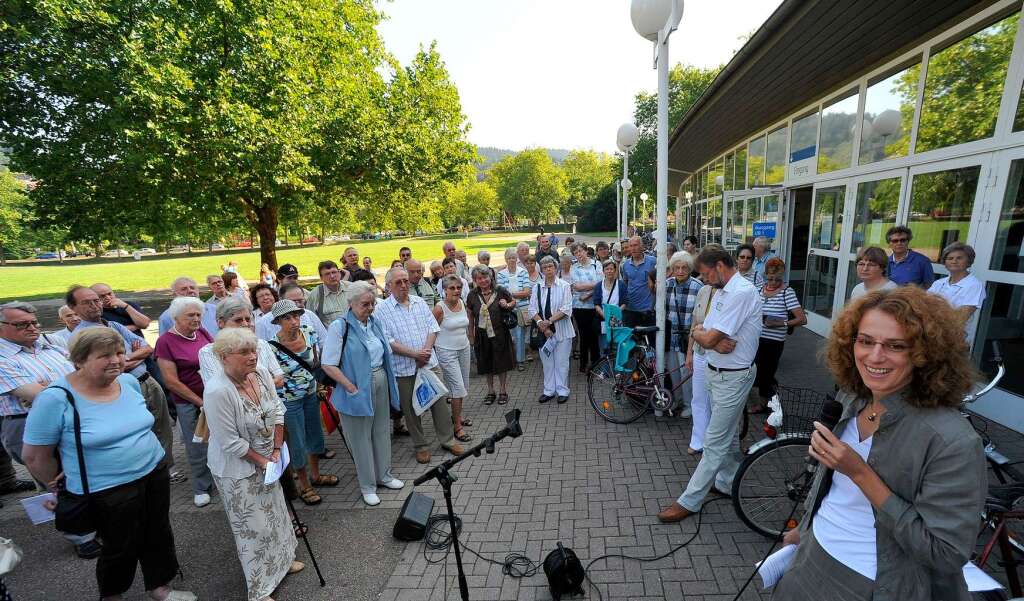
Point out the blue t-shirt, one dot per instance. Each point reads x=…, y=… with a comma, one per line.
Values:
x=117, y=437
x=914, y=269
x=638, y=296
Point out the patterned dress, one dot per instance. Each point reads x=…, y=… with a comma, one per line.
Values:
x=257, y=513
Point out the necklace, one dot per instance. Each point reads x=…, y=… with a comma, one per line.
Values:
x=174, y=329
x=874, y=414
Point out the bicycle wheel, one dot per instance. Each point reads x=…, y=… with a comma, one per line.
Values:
x=769, y=482
x=615, y=396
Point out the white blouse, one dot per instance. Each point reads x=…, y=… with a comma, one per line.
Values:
x=560, y=294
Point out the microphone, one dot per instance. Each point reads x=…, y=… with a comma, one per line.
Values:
x=831, y=411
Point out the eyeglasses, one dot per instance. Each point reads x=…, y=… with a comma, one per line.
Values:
x=745, y=258
x=454, y=287
x=896, y=347
x=22, y=325
x=898, y=240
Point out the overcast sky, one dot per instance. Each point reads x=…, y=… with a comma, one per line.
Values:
x=557, y=73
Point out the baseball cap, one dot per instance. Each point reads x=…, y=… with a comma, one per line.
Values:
x=288, y=270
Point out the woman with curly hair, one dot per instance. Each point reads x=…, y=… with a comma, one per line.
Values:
x=893, y=511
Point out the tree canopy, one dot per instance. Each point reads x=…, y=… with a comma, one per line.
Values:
x=530, y=185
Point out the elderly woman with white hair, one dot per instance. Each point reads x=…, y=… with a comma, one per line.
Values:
x=177, y=355
x=551, y=310
x=233, y=313
x=246, y=420
x=964, y=291
x=357, y=356
x=680, y=298
x=515, y=279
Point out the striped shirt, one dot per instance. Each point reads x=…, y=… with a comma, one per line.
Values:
x=408, y=326
x=591, y=274
x=680, y=300
x=755, y=277
x=777, y=306
x=19, y=366
x=515, y=284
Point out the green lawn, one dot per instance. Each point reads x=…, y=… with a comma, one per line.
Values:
x=36, y=280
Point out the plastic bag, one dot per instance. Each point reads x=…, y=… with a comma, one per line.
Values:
x=427, y=390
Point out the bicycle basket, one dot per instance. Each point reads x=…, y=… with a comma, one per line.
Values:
x=801, y=407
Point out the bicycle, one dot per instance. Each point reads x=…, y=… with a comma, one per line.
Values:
x=774, y=479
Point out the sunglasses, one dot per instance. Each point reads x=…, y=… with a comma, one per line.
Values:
x=22, y=325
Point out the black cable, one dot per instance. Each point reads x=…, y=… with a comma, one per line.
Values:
x=438, y=538
x=775, y=543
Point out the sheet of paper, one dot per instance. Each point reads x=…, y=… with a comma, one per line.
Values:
x=772, y=568
x=549, y=347
x=35, y=510
x=978, y=580
x=274, y=470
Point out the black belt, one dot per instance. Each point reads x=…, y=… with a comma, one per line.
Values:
x=19, y=416
x=713, y=368
x=143, y=377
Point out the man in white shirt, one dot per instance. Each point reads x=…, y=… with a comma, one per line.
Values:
x=266, y=329
x=730, y=332
x=411, y=330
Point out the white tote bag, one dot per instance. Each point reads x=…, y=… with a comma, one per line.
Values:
x=427, y=390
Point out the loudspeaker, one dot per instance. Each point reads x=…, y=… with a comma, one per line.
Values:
x=412, y=521
x=565, y=573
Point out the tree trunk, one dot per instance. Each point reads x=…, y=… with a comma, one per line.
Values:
x=266, y=227
x=3, y=255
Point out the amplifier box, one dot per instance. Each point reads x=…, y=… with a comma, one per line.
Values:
x=412, y=521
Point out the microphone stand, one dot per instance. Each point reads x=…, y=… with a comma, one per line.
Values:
x=446, y=478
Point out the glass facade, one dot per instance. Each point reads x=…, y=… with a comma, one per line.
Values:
x=827, y=219
x=1008, y=252
x=804, y=141
x=1002, y=320
x=775, y=159
x=889, y=115
x=730, y=172
x=755, y=163
x=838, y=120
x=964, y=87
x=741, y=168
x=940, y=208
x=877, y=204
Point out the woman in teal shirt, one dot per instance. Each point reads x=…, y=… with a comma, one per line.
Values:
x=130, y=495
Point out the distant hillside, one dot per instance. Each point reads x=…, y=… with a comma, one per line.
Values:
x=492, y=155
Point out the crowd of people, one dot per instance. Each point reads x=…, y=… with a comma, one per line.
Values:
x=246, y=371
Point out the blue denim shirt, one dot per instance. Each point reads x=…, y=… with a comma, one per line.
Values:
x=356, y=365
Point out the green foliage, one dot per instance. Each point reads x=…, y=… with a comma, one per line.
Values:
x=586, y=174
x=192, y=119
x=685, y=85
x=471, y=203
x=13, y=203
x=530, y=185
x=597, y=214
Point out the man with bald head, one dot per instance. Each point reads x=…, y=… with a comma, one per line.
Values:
x=126, y=313
x=450, y=252
x=186, y=286
x=418, y=286
x=638, y=273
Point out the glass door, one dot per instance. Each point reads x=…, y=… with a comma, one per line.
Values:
x=822, y=271
x=875, y=208
x=997, y=235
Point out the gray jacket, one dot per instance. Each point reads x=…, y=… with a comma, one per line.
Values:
x=934, y=463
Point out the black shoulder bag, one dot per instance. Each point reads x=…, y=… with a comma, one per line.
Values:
x=74, y=513
x=318, y=374
x=538, y=339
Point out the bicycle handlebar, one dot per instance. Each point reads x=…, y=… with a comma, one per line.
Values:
x=997, y=358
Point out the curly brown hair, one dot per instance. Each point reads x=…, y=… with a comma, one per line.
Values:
x=939, y=353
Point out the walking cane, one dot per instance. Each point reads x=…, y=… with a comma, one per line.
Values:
x=289, y=491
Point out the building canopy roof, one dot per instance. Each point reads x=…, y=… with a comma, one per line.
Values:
x=804, y=51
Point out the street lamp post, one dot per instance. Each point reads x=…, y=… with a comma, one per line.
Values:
x=626, y=138
x=655, y=20
x=643, y=209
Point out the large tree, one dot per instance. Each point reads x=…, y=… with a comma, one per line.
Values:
x=586, y=174
x=686, y=83
x=529, y=185
x=171, y=116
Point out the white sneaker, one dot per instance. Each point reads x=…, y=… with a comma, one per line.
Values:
x=201, y=500
x=371, y=499
x=393, y=484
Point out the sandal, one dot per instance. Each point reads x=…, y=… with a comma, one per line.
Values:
x=299, y=528
x=461, y=436
x=520, y=367
x=327, y=454
x=297, y=566
x=467, y=422
x=309, y=497
x=325, y=480
x=489, y=399
x=502, y=398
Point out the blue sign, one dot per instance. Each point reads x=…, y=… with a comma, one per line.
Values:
x=764, y=229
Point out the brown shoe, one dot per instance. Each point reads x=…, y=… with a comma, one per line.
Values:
x=675, y=513
x=455, y=449
x=423, y=456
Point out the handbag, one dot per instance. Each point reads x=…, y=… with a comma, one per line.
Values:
x=201, y=433
x=74, y=513
x=537, y=338
x=509, y=319
x=10, y=555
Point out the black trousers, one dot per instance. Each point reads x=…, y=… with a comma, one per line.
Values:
x=767, y=361
x=133, y=523
x=632, y=319
x=589, y=330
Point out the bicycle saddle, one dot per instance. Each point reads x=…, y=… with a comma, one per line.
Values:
x=1004, y=497
x=644, y=329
